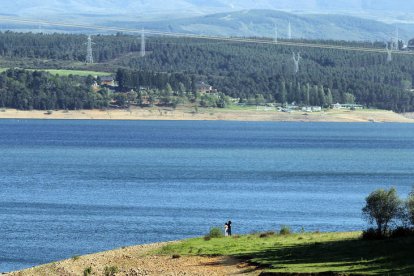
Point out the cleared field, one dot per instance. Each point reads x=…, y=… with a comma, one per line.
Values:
x=76, y=73
x=82, y=73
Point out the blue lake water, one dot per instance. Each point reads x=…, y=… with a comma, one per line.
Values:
x=74, y=187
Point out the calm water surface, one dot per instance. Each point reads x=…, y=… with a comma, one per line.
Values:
x=74, y=187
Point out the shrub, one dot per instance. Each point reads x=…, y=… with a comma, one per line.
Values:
x=87, y=271
x=410, y=208
x=215, y=232
x=266, y=234
x=176, y=256
x=382, y=207
x=400, y=232
x=110, y=270
x=75, y=258
x=371, y=234
x=285, y=230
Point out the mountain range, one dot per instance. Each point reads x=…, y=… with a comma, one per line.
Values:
x=265, y=23
x=311, y=19
x=183, y=8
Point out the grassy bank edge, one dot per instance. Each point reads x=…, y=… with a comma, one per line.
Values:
x=334, y=253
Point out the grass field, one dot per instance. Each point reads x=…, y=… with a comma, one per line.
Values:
x=76, y=73
x=82, y=73
x=342, y=253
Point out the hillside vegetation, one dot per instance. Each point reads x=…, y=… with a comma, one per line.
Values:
x=251, y=73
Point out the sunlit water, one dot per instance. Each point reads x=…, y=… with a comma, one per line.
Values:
x=74, y=187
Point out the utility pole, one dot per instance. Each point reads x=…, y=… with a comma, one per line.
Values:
x=289, y=31
x=276, y=35
x=296, y=60
x=389, y=52
x=89, y=53
x=397, y=37
x=143, y=43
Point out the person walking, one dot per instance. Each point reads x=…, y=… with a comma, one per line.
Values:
x=229, y=228
x=226, y=229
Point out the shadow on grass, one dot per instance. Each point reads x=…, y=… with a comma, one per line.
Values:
x=245, y=267
x=391, y=256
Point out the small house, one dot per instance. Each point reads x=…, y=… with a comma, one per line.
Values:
x=312, y=108
x=203, y=87
x=410, y=45
x=108, y=81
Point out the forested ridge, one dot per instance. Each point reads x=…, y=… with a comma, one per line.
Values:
x=240, y=70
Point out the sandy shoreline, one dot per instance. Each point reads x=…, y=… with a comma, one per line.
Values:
x=182, y=114
x=139, y=261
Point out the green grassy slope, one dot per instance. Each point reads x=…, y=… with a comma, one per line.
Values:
x=309, y=253
x=76, y=72
x=82, y=73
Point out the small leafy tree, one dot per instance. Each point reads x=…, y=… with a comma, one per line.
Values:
x=382, y=207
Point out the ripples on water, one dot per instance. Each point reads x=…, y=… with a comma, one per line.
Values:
x=74, y=187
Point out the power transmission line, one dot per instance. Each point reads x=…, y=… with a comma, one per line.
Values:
x=296, y=60
x=89, y=53
x=289, y=31
x=389, y=52
x=142, y=43
x=229, y=39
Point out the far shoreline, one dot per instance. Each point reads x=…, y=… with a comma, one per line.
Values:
x=209, y=114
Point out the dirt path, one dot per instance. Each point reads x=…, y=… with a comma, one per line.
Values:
x=137, y=261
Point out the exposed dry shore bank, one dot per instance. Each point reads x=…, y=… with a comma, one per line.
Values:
x=212, y=115
x=137, y=261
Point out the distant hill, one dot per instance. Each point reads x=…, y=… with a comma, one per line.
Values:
x=227, y=17
x=141, y=7
x=262, y=23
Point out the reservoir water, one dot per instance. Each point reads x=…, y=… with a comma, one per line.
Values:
x=73, y=187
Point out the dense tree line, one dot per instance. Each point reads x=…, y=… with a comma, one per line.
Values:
x=239, y=70
x=245, y=70
x=136, y=79
x=69, y=47
x=28, y=90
